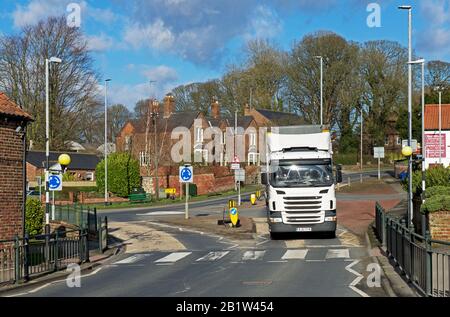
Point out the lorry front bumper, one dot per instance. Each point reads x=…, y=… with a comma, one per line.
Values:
x=280, y=227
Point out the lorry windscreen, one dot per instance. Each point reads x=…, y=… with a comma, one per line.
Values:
x=300, y=173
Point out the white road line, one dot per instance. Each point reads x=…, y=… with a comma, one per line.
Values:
x=131, y=259
x=277, y=261
x=358, y=278
x=173, y=257
x=161, y=213
x=338, y=254
x=213, y=256
x=295, y=254
x=253, y=255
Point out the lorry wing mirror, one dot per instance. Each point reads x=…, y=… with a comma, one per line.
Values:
x=339, y=174
x=264, y=179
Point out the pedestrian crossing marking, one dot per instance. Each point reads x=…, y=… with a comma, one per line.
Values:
x=173, y=257
x=338, y=254
x=295, y=254
x=253, y=255
x=131, y=259
x=213, y=256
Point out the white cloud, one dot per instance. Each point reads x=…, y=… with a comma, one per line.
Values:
x=265, y=24
x=162, y=74
x=35, y=11
x=155, y=35
x=434, y=39
x=436, y=12
x=106, y=16
x=99, y=43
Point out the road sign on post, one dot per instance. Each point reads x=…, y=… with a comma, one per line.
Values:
x=55, y=182
x=378, y=153
x=239, y=176
x=413, y=144
x=186, y=174
x=234, y=216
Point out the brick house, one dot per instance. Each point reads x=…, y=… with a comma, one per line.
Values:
x=82, y=165
x=13, y=122
x=432, y=154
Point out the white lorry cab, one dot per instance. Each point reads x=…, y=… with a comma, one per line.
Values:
x=299, y=179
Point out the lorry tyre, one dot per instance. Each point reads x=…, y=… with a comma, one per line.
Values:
x=274, y=236
x=331, y=235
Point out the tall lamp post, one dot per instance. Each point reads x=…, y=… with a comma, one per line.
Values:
x=410, y=206
x=155, y=116
x=321, y=89
x=106, y=140
x=422, y=63
x=47, y=141
x=439, y=89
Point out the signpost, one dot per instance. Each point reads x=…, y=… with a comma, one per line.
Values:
x=378, y=153
x=55, y=182
x=413, y=144
x=186, y=176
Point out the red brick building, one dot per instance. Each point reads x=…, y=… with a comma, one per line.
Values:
x=13, y=122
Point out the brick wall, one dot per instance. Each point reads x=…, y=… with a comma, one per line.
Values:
x=440, y=225
x=11, y=185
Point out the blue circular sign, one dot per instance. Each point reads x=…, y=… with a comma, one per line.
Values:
x=233, y=211
x=54, y=181
x=186, y=174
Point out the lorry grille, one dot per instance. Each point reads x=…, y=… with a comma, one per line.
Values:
x=303, y=219
x=307, y=204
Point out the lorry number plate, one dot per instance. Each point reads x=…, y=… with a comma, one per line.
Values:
x=304, y=229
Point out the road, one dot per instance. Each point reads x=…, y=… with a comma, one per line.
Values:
x=214, y=266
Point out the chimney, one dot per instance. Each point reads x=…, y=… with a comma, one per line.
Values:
x=215, y=109
x=169, y=105
x=247, y=110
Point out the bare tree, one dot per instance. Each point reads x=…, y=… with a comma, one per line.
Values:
x=73, y=83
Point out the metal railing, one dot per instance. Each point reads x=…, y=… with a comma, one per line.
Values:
x=23, y=258
x=423, y=261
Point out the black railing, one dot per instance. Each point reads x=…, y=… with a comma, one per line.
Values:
x=423, y=261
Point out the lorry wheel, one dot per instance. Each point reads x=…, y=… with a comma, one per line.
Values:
x=331, y=235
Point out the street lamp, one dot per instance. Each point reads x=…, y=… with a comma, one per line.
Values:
x=155, y=115
x=47, y=141
x=106, y=140
x=321, y=89
x=410, y=206
x=422, y=63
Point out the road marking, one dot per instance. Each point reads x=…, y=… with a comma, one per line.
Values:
x=277, y=261
x=337, y=254
x=213, y=256
x=131, y=259
x=295, y=254
x=173, y=257
x=292, y=244
x=161, y=213
x=358, y=278
x=253, y=255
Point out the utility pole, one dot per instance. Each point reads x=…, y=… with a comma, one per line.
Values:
x=361, y=142
x=410, y=203
x=106, y=141
x=321, y=89
x=440, y=126
x=155, y=116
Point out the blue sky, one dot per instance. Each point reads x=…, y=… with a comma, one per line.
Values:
x=182, y=41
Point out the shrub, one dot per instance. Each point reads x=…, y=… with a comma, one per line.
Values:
x=123, y=174
x=68, y=177
x=34, y=217
x=436, y=203
x=436, y=176
x=437, y=190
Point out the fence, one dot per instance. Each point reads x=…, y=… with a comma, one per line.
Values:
x=425, y=262
x=24, y=258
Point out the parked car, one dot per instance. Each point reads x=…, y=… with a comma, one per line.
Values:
x=403, y=175
x=33, y=193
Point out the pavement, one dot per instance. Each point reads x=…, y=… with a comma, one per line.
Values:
x=165, y=255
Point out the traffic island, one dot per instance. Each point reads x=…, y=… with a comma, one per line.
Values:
x=209, y=224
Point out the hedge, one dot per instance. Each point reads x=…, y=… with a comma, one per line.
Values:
x=437, y=190
x=435, y=176
x=34, y=217
x=436, y=203
x=123, y=174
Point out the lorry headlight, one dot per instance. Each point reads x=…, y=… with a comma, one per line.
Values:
x=331, y=219
x=276, y=220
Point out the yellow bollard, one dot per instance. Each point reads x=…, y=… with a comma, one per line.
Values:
x=253, y=199
x=231, y=204
x=258, y=194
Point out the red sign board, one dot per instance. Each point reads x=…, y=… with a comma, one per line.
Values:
x=432, y=145
x=236, y=160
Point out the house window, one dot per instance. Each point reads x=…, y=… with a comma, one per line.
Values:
x=144, y=158
x=386, y=140
x=198, y=135
x=399, y=140
x=252, y=139
x=253, y=158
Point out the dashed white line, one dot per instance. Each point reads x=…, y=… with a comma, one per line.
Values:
x=295, y=254
x=213, y=256
x=253, y=255
x=338, y=254
x=173, y=257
